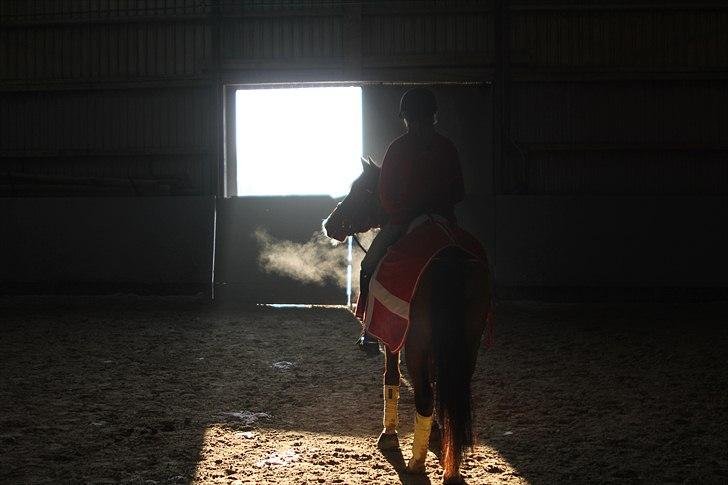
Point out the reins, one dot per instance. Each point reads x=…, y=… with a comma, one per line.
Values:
x=358, y=243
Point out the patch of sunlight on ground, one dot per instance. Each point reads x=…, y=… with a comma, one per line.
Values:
x=245, y=454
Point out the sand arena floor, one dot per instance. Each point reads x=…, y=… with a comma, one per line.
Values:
x=147, y=391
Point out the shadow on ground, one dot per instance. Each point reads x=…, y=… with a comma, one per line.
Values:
x=608, y=393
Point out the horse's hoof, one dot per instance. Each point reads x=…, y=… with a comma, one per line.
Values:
x=458, y=480
x=388, y=442
x=416, y=468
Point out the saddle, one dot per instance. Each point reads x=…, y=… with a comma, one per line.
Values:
x=386, y=312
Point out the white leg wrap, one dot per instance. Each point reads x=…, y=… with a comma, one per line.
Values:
x=421, y=442
x=391, y=418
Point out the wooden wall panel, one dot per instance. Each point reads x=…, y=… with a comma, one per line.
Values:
x=631, y=112
x=154, y=119
x=626, y=39
x=630, y=137
x=80, y=51
x=65, y=142
x=284, y=39
x=456, y=35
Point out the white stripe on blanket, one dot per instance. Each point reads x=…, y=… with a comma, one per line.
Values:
x=393, y=303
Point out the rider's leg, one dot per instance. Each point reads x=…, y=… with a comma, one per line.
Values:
x=388, y=438
x=387, y=236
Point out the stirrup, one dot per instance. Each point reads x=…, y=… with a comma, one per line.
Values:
x=368, y=345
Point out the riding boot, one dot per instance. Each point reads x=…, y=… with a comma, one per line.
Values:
x=364, y=279
x=423, y=424
x=388, y=439
x=366, y=343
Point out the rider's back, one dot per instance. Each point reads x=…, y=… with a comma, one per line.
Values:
x=420, y=174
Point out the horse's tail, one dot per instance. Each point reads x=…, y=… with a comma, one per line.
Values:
x=452, y=366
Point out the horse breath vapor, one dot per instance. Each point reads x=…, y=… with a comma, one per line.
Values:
x=319, y=260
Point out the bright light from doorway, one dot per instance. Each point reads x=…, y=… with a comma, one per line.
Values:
x=300, y=141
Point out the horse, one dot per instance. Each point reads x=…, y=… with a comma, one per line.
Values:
x=447, y=321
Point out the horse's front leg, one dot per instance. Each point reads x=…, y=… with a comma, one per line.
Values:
x=388, y=438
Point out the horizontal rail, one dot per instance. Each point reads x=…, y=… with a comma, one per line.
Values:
x=621, y=147
x=616, y=7
x=579, y=74
x=100, y=21
x=125, y=152
x=85, y=84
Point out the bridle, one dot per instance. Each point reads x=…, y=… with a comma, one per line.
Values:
x=345, y=224
x=358, y=243
x=369, y=192
x=360, y=198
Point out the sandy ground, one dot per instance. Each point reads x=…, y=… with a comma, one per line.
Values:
x=150, y=392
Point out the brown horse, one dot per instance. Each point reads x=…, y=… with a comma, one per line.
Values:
x=447, y=320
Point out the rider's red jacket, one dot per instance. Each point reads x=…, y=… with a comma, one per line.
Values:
x=417, y=179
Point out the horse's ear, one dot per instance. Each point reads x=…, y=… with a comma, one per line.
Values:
x=365, y=164
x=372, y=164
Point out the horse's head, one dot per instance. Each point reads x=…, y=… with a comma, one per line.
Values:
x=360, y=210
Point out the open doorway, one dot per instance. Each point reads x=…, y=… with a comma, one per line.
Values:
x=292, y=153
x=297, y=141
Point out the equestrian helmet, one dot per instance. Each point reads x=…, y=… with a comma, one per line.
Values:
x=417, y=103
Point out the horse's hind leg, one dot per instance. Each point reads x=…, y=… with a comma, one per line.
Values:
x=388, y=438
x=418, y=356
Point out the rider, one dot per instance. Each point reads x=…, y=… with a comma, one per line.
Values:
x=420, y=174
